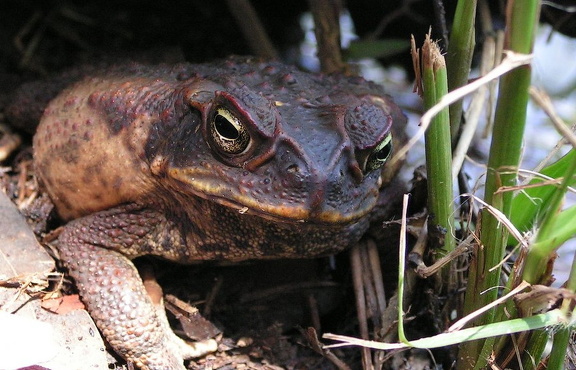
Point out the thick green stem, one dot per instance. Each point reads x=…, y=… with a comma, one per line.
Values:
x=438, y=148
x=503, y=163
x=559, y=348
x=502, y=167
x=505, y=151
x=459, y=56
x=562, y=336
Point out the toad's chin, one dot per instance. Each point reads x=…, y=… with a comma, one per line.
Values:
x=245, y=235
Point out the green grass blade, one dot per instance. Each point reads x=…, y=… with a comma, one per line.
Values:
x=532, y=203
x=557, y=227
x=554, y=318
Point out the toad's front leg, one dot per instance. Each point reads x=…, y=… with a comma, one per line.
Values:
x=113, y=291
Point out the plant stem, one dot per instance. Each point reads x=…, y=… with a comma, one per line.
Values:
x=559, y=348
x=503, y=163
x=438, y=148
x=459, y=56
x=562, y=336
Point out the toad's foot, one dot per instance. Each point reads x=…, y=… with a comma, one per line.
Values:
x=113, y=292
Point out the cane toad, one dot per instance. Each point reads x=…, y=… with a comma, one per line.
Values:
x=236, y=160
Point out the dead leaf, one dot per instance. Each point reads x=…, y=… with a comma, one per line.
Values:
x=541, y=299
x=63, y=305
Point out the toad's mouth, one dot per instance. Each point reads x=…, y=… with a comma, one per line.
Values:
x=310, y=209
x=287, y=214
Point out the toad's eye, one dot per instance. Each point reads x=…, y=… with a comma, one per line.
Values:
x=228, y=134
x=380, y=154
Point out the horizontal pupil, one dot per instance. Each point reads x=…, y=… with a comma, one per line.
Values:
x=383, y=153
x=225, y=128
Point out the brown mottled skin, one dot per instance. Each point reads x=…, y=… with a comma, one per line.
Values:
x=230, y=161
